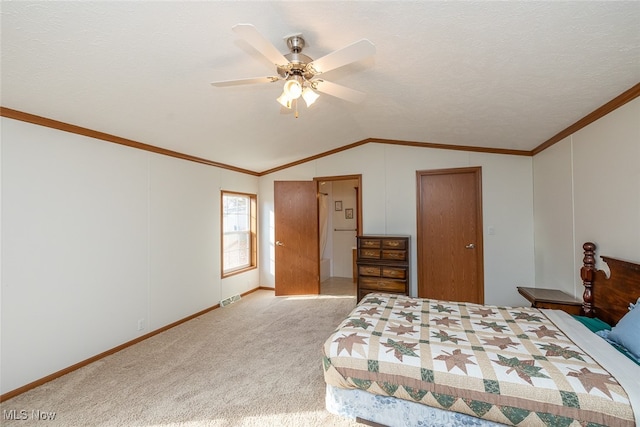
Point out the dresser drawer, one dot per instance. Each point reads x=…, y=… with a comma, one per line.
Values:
x=379, y=284
x=369, y=253
x=394, y=244
x=394, y=255
x=369, y=270
x=370, y=243
x=394, y=273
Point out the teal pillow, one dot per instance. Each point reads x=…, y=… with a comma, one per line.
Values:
x=593, y=323
x=627, y=332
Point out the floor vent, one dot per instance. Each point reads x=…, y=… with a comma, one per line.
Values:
x=229, y=300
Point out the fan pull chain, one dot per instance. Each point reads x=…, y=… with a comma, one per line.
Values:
x=295, y=102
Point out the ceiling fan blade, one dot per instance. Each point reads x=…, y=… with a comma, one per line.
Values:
x=262, y=45
x=225, y=83
x=339, y=91
x=348, y=54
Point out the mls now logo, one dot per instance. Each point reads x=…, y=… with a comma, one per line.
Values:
x=23, y=414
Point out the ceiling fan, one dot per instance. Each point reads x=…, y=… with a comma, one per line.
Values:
x=300, y=72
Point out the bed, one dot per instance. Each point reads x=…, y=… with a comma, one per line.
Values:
x=402, y=361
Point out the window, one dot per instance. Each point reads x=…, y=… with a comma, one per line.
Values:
x=239, y=235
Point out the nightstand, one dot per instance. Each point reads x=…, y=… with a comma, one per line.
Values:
x=551, y=298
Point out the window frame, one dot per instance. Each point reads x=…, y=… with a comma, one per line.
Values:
x=253, y=233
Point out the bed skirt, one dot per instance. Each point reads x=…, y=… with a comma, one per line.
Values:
x=392, y=412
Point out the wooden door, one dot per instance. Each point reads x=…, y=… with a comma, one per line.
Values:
x=296, y=234
x=449, y=247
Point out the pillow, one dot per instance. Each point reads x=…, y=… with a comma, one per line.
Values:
x=602, y=329
x=627, y=332
x=605, y=335
x=593, y=323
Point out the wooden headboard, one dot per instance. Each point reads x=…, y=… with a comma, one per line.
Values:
x=608, y=298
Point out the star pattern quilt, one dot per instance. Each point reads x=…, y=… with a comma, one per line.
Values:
x=510, y=365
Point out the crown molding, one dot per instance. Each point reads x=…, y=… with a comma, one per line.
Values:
x=600, y=112
x=66, y=127
x=617, y=102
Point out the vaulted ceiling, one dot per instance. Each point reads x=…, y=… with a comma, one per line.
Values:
x=504, y=75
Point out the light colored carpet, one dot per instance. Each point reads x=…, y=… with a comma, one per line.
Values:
x=256, y=362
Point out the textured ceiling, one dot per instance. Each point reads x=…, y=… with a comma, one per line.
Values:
x=504, y=75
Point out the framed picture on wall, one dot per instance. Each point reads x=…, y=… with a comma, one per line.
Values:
x=338, y=205
x=348, y=213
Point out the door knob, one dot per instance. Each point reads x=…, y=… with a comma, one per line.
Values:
x=470, y=246
x=279, y=243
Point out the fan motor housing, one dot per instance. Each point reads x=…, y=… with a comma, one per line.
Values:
x=297, y=60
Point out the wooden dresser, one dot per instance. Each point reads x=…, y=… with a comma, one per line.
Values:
x=383, y=264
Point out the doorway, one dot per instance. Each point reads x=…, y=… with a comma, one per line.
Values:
x=340, y=213
x=298, y=206
x=449, y=247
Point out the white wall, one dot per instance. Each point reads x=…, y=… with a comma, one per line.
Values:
x=587, y=188
x=96, y=237
x=389, y=205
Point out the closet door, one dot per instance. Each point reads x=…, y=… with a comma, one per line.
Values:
x=449, y=246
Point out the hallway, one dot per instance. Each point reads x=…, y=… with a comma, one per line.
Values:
x=338, y=286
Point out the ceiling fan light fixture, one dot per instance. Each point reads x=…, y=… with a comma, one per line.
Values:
x=309, y=96
x=293, y=87
x=284, y=100
x=299, y=71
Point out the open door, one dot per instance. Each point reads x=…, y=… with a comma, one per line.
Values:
x=296, y=233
